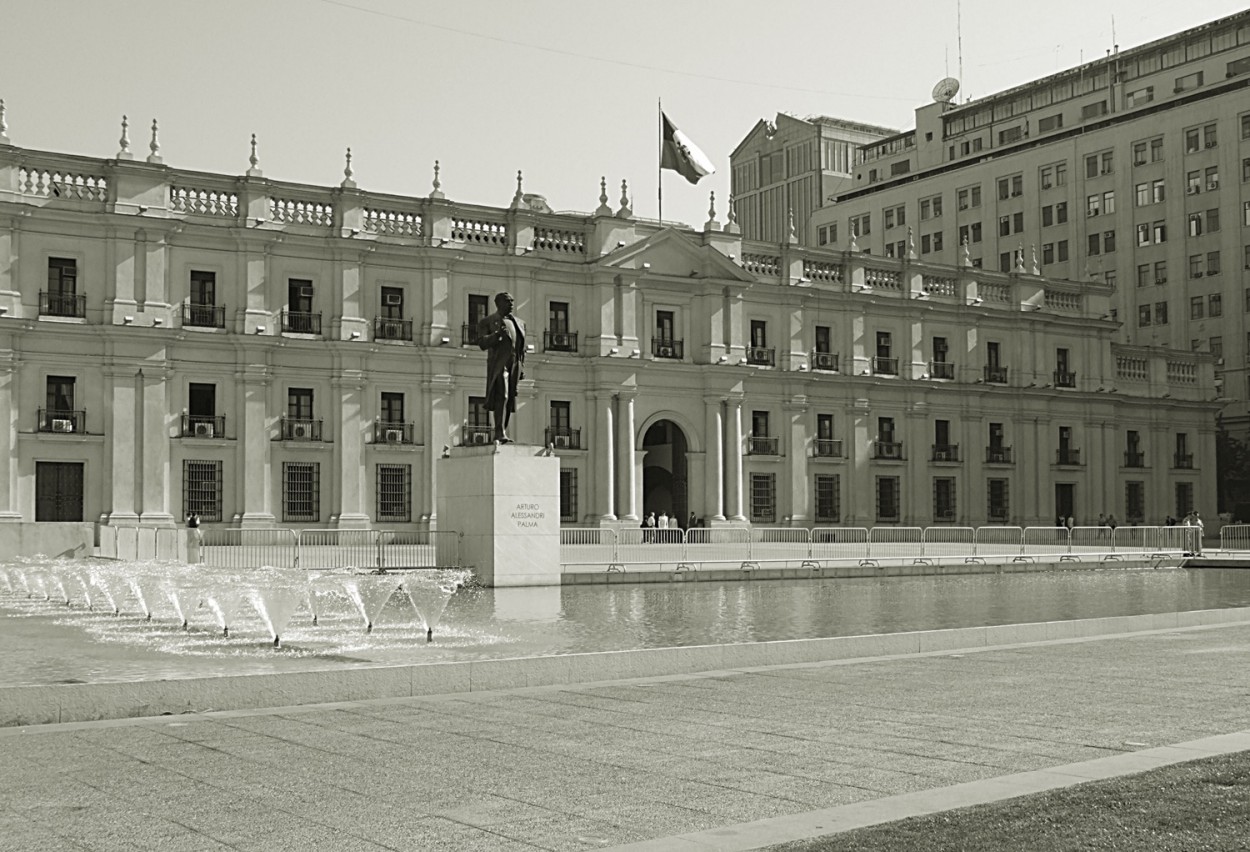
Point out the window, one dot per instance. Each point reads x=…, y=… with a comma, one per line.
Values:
x=1048, y=253
x=930, y=208
x=1160, y=232
x=1004, y=189
x=568, y=495
x=1245, y=170
x=1062, y=250
x=1213, y=220
x=561, y=416
x=1215, y=305
x=1213, y=263
x=1195, y=266
x=1134, y=502
x=1212, y=175
x=1193, y=182
x=1050, y=122
x=860, y=226
x=1048, y=215
x=970, y=233
x=558, y=317
x=62, y=299
x=1093, y=110
x=1139, y=153
x=822, y=236
x=1192, y=141
x=1187, y=82
x=1017, y=186
x=828, y=499
x=1047, y=177
x=759, y=424
x=1108, y=241
x=997, y=508
x=1196, y=307
x=1143, y=275
x=763, y=498
x=1004, y=262
x=1011, y=134
x=392, y=408
x=943, y=498
x=394, y=493
x=203, y=293
x=1095, y=243
x=759, y=334
x=1143, y=316
x=969, y=196
x=1109, y=277
x=892, y=216
x=1161, y=272
x=1209, y=139
x=1004, y=226
x=1093, y=205
x=1157, y=191
x=1216, y=347
x=1017, y=222
x=1245, y=126
x=301, y=491
x=1091, y=166
x=1161, y=313
x=924, y=244
x=1137, y=97
x=299, y=295
x=1184, y=498
x=479, y=309
x=888, y=499
x=201, y=489
x=1061, y=212
x=1108, y=201
x=1156, y=149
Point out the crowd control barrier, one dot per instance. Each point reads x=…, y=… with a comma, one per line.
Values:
x=329, y=549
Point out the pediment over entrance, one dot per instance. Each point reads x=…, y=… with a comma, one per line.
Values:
x=672, y=253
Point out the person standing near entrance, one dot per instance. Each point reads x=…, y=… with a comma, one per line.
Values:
x=502, y=336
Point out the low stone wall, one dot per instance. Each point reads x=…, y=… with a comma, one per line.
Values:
x=69, y=540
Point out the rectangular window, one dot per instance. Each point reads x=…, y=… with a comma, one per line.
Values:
x=203, y=290
x=201, y=490
x=1188, y=82
x=1161, y=313
x=1048, y=253
x=1134, y=502
x=1161, y=272
x=1156, y=149
x=394, y=493
x=1108, y=241
x=828, y=499
x=997, y=507
x=1143, y=275
x=299, y=403
x=478, y=310
x=759, y=334
x=558, y=317
x=1108, y=201
x=763, y=498
x=1215, y=305
x=1196, y=307
x=1050, y=122
x=861, y=226
x=824, y=340
x=1137, y=97
x=1143, y=316
x=301, y=491
x=1095, y=244
x=1093, y=110
x=944, y=498
x=568, y=495
x=561, y=413
x=1184, y=498
x=888, y=508
x=1213, y=263
x=1062, y=250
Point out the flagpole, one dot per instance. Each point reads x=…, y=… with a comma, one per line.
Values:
x=659, y=153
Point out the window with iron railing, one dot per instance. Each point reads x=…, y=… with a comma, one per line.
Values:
x=943, y=499
x=393, y=431
x=997, y=504
x=828, y=448
x=62, y=420
x=394, y=493
x=202, y=489
x=825, y=361
x=301, y=322
x=945, y=453
x=559, y=341
x=760, y=356
x=568, y=495
x=385, y=328
x=762, y=445
x=890, y=450
x=301, y=491
x=300, y=429
x=941, y=370
x=203, y=426
x=996, y=375
x=888, y=504
x=62, y=305
x=885, y=366
x=1134, y=459
x=667, y=348
x=998, y=455
x=563, y=437
x=763, y=498
x=1068, y=456
x=1065, y=379
x=828, y=498
x=204, y=316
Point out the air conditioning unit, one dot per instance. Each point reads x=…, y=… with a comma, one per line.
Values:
x=393, y=299
x=204, y=430
x=1192, y=190
x=1210, y=144
x=306, y=291
x=61, y=424
x=1161, y=281
x=394, y=436
x=1139, y=162
x=664, y=352
x=1197, y=274
x=560, y=441
x=559, y=339
x=1214, y=184
x=479, y=438
x=300, y=432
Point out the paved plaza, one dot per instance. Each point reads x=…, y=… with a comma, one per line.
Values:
x=730, y=760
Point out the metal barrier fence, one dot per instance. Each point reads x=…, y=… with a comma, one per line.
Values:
x=243, y=549
x=1233, y=537
x=635, y=546
x=326, y=549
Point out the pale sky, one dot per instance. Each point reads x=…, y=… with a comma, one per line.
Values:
x=565, y=90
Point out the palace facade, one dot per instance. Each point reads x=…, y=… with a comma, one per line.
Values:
x=265, y=353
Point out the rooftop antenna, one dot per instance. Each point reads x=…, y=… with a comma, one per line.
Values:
x=959, y=42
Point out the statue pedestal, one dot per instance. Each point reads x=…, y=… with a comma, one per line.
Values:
x=505, y=502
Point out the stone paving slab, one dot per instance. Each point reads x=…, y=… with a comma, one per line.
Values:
x=729, y=759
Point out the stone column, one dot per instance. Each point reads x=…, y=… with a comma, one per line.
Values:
x=153, y=446
x=627, y=510
x=714, y=479
x=436, y=426
x=254, y=432
x=9, y=391
x=120, y=256
x=120, y=418
x=796, y=462
x=603, y=452
x=349, y=451
x=734, y=503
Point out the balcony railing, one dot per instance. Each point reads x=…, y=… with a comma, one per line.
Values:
x=1183, y=461
x=385, y=328
x=996, y=375
x=1134, y=459
x=559, y=341
x=884, y=366
x=62, y=420
x=1064, y=379
x=892, y=450
x=941, y=370
x=762, y=356
x=475, y=436
x=827, y=448
x=563, y=437
x=1068, y=456
x=998, y=455
x=664, y=347
x=827, y=361
x=204, y=316
x=762, y=445
x=468, y=334
x=62, y=304
x=301, y=322
x=392, y=431
x=945, y=453
x=203, y=426
x=300, y=429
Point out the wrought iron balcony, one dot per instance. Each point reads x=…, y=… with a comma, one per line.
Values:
x=665, y=347
x=203, y=426
x=945, y=453
x=884, y=366
x=996, y=375
x=62, y=420
x=204, y=316
x=827, y=448
x=826, y=361
x=891, y=450
x=385, y=328
x=761, y=356
x=301, y=322
x=1064, y=379
x=559, y=341
x=1134, y=459
x=392, y=431
x=998, y=455
x=563, y=437
x=62, y=304
x=1183, y=461
x=762, y=445
x=941, y=370
x=300, y=429
x=475, y=436
x=1069, y=457
x=468, y=335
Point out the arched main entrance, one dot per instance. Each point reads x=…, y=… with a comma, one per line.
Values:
x=665, y=479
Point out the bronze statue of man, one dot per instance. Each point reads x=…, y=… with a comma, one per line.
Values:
x=502, y=336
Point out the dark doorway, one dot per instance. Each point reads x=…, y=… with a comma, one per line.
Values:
x=58, y=491
x=1065, y=500
x=664, y=477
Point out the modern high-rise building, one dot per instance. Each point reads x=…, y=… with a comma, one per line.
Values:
x=1131, y=172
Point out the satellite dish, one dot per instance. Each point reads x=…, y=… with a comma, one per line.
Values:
x=944, y=91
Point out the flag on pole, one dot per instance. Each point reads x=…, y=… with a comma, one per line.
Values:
x=681, y=155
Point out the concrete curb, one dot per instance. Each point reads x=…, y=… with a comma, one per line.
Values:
x=59, y=703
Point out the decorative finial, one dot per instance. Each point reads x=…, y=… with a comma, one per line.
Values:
x=517, y=200
x=854, y=243
x=253, y=159
x=347, y=172
x=1033, y=267
x=1019, y=258
x=123, y=152
x=154, y=146
x=603, y=209
x=792, y=236
x=711, y=206
x=731, y=222
x=911, y=244
x=626, y=211
x=711, y=224
x=4, y=125
x=437, y=192
x=965, y=257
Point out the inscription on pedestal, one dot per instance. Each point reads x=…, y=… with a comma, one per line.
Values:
x=528, y=516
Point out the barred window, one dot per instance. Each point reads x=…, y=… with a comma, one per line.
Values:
x=568, y=495
x=998, y=508
x=1135, y=502
x=887, y=498
x=394, y=493
x=828, y=503
x=301, y=491
x=201, y=489
x=943, y=498
x=763, y=498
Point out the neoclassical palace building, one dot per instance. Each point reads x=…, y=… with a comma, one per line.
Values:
x=277, y=354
